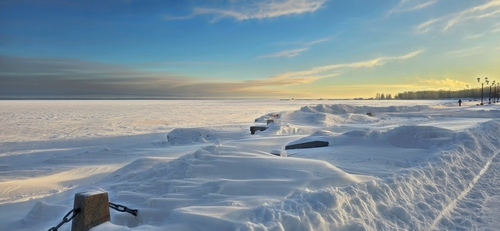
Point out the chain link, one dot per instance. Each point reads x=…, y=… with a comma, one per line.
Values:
x=121, y=208
x=72, y=214
x=67, y=218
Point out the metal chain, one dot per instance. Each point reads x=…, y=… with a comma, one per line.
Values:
x=121, y=208
x=67, y=218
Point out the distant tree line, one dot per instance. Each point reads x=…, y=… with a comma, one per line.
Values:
x=383, y=96
x=445, y=94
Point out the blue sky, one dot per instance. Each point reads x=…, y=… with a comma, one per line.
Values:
x=245, y=48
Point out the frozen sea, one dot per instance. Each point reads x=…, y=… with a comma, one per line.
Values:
x=193, y=164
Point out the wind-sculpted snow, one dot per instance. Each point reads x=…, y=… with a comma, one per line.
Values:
x=422, y=137
x=325, y=119
x=338, y=109
x=191, y=135
x=327, y=198
x=418, y=136
x=43, y=211
x=215, y=176
x=400, y=168
x=421, y=198
x=286, y=129
x=185, y=136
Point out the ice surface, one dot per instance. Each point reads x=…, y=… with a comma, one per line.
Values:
x=193, y=165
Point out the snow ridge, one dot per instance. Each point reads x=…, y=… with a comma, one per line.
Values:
x=416, y=200
x=339, y=109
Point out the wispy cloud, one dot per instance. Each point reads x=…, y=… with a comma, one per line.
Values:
x=285, y=53
x=475, y=36
x=445, y=83
x=337, y=69
x=411, y=5
x=54, y=77
x=491, y=9
x=259, y=10
x=295, y=52
x=427, y=25
x=465, y=52
x=317, y=41
x=496, y=28
x=487, y=10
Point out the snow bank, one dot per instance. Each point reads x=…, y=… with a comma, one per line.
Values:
x=231, y=179
x=285, y=129
x=43, y=211
x=338, y=109
x=418, y=169
x=423, y=137
x=418, y=136
x=230, y=188
x=185, y=136
x=191, y=135
x=320, y=119
x=419, y=199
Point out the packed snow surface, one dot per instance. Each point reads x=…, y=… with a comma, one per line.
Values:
x=193, y=165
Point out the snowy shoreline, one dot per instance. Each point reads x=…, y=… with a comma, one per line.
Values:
x=429, y=166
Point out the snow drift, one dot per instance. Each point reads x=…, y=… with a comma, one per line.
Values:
x=404, y=168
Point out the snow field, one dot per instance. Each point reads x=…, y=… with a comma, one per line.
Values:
x=404, y=168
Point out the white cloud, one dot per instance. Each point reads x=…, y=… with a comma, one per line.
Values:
x=294, y=52
x=487, y=10
x=446, y=83
x=336, y=69
x=260, y=10
x=285, y=53
x=475, y=36
x=425, y=26
x=411, y=5
x=496, y=28
x=65, y=77
x=317, y=41
x=465, y=52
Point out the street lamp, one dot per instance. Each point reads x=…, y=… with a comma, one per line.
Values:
x=482, y=87
x=497, y=91
x=494, y=94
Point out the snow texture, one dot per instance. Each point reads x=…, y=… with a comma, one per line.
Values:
x=431, y=166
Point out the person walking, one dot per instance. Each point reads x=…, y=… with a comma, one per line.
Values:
x=459, y=102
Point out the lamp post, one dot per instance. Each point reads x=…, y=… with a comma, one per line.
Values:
x=494, y=94
x=482, y=87
x=497, y=89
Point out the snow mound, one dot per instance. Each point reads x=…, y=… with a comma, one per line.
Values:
x=43, y=211
x=339, y=109
x=130, y=170
x=219, y=175
x=264, y=118
x=422, y=198
x=418, y=136
x=362, y=133
x=335, y=139
x=325, y=119
x=183, y=136
x=324, y=133
x=285, y=129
